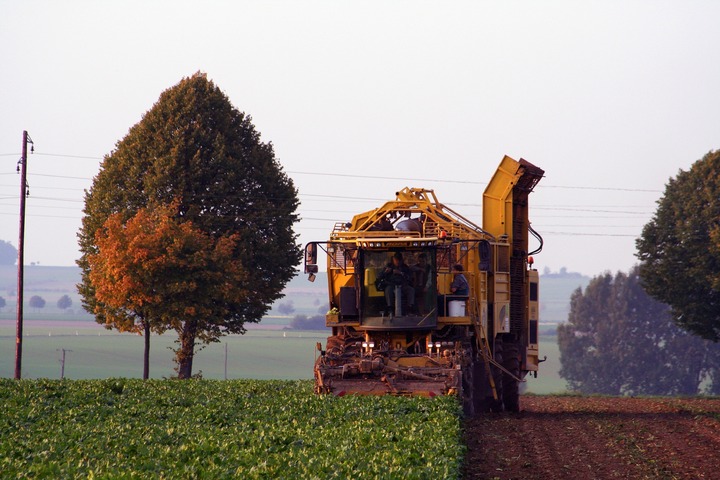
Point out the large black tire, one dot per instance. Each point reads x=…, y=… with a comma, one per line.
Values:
x=510, y=386
x=483, y=392
x=497, y=405
x=485, y=401
x=469, y=380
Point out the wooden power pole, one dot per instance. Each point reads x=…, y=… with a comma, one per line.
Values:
x=62, y=362
x=22, y=169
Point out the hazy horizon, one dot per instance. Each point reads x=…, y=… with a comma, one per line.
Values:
x=363, y=99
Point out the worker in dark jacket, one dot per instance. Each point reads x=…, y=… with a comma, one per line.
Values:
x=459, y=285
x=398, y=276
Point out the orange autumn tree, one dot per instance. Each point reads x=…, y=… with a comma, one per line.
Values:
x=157, y=273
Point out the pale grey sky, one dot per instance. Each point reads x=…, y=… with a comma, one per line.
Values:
x=610, y=98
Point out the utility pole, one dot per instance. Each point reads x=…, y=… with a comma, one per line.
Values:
x=62, y=362
x=225, y=360
x=24, y=191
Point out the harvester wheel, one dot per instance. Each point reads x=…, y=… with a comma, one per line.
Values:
x=468, y=388
x=484, y=399
x=510, y=386
x=497, y=405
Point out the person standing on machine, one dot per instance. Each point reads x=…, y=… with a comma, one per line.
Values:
x=459, y=286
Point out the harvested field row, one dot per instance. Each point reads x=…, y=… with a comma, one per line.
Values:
x=597, y=438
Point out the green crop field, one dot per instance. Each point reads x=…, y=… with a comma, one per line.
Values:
x=121, y=428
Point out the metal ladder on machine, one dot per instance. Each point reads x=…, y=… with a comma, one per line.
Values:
x=483, y=345
x=484, y=349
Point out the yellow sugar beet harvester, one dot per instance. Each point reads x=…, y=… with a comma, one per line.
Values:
x=399, y=328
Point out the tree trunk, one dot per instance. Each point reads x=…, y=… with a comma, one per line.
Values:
x=184, y=355
x=715, y=381
x=146, y=354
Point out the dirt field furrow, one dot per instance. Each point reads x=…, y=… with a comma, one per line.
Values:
x=597, y=438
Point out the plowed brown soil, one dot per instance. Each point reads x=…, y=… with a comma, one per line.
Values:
x=597, y=438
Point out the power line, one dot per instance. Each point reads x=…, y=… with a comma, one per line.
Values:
x=583, y=234
x=68, y=156
x=616, y=189
x=588, y=234
x=310, y=197
x=52, y=188
x=384, y=177
x=469, y=182
x=380, y=177
x=536, y=226
x=583, y=216
x=571, y=209
x=61, y=199
x=303, y=218
x=40, y=215
x=59, y=176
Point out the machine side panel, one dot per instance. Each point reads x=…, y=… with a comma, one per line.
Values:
x=497, y=198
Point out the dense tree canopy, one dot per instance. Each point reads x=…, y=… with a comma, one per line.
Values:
x=8, y=253
x=64, y=302
x=303, y=322
x=619, y=340
x=195, y=151
x=679, y=249
x=36, y=301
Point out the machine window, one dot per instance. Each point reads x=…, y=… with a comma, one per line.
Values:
x=399, y=287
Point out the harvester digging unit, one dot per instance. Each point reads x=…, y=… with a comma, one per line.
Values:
x=425, y=302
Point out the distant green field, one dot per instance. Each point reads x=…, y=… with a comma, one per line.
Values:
x=555, y=292
x=99, y=353
x=307, y=298
x=93, y=352
x=548, y=379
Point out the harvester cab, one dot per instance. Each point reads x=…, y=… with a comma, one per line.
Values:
x=426, y=302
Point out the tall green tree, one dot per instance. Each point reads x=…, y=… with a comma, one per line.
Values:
x=64, y=302
x=36, y=301
x=619, y=340
x=8, y=253
x=195, y=150
x=679, y=249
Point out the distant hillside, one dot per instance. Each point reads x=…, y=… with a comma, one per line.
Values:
x=40, y=278
x=50, y=283
x=555, y=292
x=307, y=297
